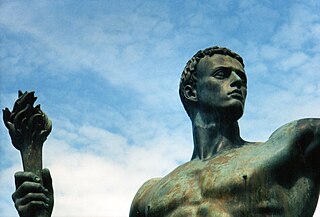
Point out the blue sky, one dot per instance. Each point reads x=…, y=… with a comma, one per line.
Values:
x=107, y=74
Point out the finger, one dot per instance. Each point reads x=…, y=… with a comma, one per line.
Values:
x=32, y=197
x=31, y=207
x=28, y=187
x=47, y=180
x=21, y=177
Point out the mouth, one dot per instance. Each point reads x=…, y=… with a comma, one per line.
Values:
x=236, y=94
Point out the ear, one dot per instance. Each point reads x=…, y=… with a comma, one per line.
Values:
x=190, y=93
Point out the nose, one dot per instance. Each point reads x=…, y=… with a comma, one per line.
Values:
x=236, y=81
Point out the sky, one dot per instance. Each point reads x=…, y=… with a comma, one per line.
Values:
x=107, y=75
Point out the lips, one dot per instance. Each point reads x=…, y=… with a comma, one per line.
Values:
x=237, y=94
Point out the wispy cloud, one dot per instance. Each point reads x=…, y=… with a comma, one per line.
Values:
x=107, y=74
x=95, y=164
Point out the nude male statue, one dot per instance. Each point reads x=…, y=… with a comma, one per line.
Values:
x=228, y=176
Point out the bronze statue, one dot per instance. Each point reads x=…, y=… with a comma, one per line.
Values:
x=227, y=176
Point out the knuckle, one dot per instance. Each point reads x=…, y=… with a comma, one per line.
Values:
x=19, y=202
x=33, y=204
x=18, y=206
x=13, y=197
x=27, y=187
x=43, y=196
x=29, y=195
x=18, y=174
x=23, y=186
x=30, y=184
x=23, y=175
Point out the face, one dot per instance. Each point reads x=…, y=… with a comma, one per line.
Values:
x=221, y=86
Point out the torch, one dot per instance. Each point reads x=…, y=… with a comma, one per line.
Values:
x=28, y=128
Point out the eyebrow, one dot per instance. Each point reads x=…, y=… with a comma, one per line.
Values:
x=230, y=68
x=240, y=73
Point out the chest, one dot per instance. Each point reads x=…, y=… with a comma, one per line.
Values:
x=198, y=182
x=229, y=182
x=226, y=176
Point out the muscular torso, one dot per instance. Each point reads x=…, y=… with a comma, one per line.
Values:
x=257, y=179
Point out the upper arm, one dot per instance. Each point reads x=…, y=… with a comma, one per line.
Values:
x=310, y=138
x=141, y=198
x=301, y=138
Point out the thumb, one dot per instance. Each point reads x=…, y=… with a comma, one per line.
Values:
x=47, y=180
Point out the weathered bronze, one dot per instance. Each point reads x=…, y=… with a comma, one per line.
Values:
x=228, y=176
x=28, y=128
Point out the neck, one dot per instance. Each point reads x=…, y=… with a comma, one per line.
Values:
x=212, y=134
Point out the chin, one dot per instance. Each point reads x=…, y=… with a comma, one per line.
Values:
x=226, y=111
x=232, y=113
x=237, y=116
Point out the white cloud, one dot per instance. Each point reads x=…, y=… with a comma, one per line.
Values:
x=97, y=173
x=298, y=32
x=270, y=52
x=82, y=176
x=293, y=60
x=140, y=49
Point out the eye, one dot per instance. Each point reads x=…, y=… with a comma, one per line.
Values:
x=221, y=73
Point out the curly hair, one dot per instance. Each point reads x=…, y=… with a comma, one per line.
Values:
x=189, y=75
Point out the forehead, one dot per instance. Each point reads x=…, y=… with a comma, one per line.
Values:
x=217, y=61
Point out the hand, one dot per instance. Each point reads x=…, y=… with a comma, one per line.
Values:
x=31, y=196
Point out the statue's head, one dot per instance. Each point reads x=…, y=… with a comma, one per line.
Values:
x=214, y=81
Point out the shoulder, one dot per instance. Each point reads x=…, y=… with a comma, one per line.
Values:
x=141, y=198
x=300, y=138
x=298, y=128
